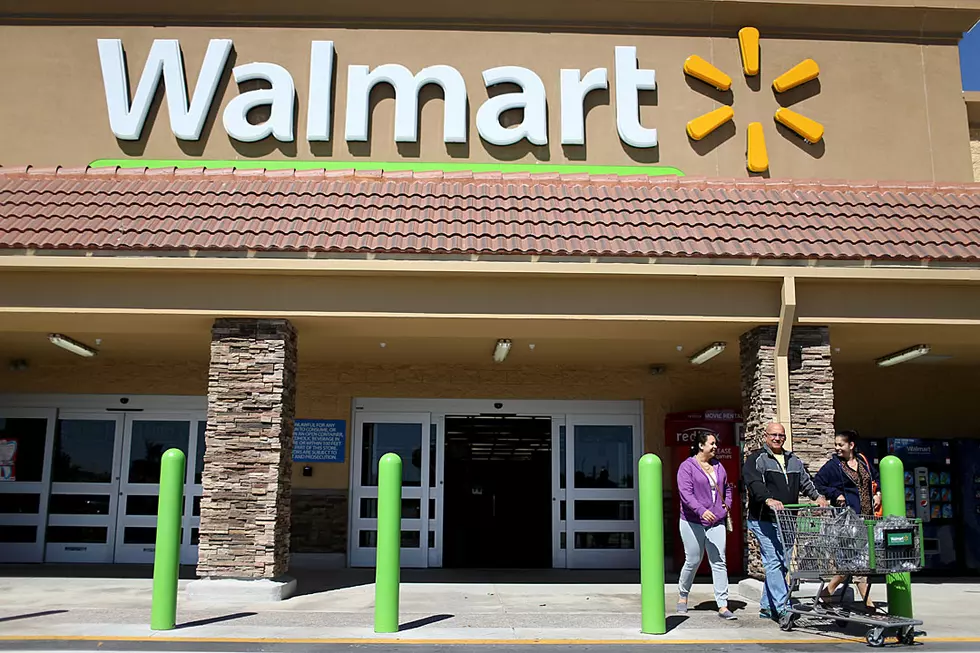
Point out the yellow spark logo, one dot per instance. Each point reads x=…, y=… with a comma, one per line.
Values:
x=757, y=160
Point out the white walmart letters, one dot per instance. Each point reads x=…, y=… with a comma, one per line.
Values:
x=187, y=122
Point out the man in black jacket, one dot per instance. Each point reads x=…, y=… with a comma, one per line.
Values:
x=774, y=477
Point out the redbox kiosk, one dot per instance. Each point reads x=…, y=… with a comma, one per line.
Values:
x=726, y=426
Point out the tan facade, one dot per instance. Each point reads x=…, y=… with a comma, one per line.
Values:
x=932, y=397
x=892, y=110
x=975, y=152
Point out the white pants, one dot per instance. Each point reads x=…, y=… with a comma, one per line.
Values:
x=696, y=539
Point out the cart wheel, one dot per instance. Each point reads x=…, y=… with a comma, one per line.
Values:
x=908, y=636
x=787, y=621
x=875, y=637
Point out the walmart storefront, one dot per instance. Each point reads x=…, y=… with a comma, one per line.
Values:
x=514, y=254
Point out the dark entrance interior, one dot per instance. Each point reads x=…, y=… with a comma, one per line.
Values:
x=497, y=492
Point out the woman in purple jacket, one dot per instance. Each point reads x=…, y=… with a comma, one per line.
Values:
x=706, y=499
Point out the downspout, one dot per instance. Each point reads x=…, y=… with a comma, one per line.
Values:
x=787, y=315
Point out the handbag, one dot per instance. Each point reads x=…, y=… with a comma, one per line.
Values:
x=880, y=510
x=728, y=522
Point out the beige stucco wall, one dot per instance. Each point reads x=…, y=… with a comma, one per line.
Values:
x=909, y=400
x=326, y=391
x=892, y=110
x=975, y=152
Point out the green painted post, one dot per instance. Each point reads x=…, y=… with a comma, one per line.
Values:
x=893, y=503
x=653, y=601
x=166, y=555
x=388, y=564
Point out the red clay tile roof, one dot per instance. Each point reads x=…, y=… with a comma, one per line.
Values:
x=343, y=211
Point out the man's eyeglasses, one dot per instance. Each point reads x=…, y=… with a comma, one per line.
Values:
x=776, y=436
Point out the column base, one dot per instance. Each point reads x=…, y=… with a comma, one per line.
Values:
x=241, y=590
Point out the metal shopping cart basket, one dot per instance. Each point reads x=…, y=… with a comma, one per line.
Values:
x=820, y=543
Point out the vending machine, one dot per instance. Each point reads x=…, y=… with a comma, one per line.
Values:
x=726, y=425
x=930, y=495
x=968, y=482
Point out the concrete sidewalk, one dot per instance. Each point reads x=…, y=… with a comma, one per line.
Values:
x=114, y=608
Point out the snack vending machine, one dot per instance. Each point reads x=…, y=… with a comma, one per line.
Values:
x=930, y=495
x=968, y=480
x=726, y=426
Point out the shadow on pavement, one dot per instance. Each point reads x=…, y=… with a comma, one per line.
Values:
x=216, y=620
x=427, y=621
x=675, y=620
x=710, y=606
x=31, y=615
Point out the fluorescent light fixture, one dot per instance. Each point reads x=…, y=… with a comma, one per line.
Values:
x=73, y=346
x=707, y=353
x=501, y=350
x=903, y=356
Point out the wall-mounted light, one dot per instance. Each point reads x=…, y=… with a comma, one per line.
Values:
x=903, y=356
x=501, y=350
x=73, y=346
x=707, y=353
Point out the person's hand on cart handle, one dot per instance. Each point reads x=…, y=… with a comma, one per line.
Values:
x=774, y=504
x=822, y=502
x=877, y=500
x=841, y=500
x=708, y=516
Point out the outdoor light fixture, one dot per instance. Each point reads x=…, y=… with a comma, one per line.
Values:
x=903, y=356
x=501, y=350
x=707, y=353
x=73, y=346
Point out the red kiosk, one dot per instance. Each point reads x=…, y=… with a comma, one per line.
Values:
x=726, y=426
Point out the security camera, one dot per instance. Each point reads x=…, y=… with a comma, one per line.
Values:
x=498, y=405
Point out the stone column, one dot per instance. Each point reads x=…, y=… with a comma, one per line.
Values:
x=245, y=510
x=811, y=387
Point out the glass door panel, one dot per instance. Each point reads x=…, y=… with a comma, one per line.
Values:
x=147, y=437
x=84, y=488
x=407, y=435
x=602, y=530
x=26, y=438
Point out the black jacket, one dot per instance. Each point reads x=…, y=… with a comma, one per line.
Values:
x=765, y=479
x=833, y=481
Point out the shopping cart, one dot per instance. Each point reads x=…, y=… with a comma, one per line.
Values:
x=820, y=543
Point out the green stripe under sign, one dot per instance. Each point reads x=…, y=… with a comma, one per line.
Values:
x=651, y=171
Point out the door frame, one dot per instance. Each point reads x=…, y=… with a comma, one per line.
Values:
x=53, y=406
x=602, y=558
x=358, y=556
x=144, y=553
x=30, y=551
x=556, y=410
x=68, y=552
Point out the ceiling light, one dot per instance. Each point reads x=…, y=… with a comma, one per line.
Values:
x=501, y=350
x=707, y=353
x=73, y=346
x=903, y=356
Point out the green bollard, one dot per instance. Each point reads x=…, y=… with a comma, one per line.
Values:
x=653, y=600
x=166, y=555
x=893, y=503
x=388, y=564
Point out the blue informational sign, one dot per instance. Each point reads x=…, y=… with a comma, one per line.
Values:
x=319, y=441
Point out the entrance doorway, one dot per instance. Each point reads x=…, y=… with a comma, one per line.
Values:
x=498, y=492
x=486, y=479
x=86, y=481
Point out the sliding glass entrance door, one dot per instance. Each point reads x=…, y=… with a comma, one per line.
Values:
x=601, y=521
x=410, y=436
x=26, y=439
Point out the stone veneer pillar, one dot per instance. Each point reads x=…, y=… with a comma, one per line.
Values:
x=245, y=510
x=811, y=388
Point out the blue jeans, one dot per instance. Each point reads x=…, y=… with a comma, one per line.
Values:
x=775, y=593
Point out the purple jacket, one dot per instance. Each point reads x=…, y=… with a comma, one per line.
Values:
x=695, y=492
